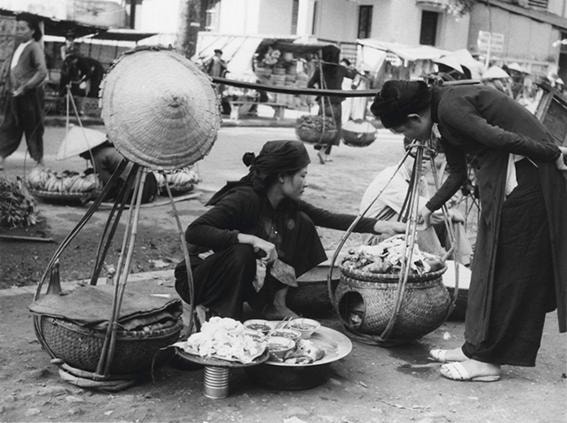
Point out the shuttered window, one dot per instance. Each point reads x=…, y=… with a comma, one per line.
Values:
x=428, y=34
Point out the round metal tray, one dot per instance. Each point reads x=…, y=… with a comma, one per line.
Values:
x=335, y=344
x=217, y=362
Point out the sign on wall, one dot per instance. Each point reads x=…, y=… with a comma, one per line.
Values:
x=493, y=39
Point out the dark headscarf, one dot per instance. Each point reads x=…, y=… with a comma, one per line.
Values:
x=398, y=99
x=275, y=158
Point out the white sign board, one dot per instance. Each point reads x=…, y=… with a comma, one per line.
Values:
x=493, y=39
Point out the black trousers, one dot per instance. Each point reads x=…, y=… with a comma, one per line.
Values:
x=223, y=281
x=523, y=282
x=23, y=115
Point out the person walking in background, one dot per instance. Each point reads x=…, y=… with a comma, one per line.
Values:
x=331, y=79
x=519, y=271
x=216, y=67
x=24, y=108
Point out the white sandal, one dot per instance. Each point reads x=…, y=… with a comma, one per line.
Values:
x=456, y=371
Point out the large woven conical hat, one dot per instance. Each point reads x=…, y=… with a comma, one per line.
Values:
x=159, y=109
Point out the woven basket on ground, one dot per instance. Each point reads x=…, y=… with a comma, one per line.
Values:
x=80, y=347
x=366, y=303
x=159, y=109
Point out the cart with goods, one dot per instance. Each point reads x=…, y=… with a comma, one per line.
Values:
x=113, y=341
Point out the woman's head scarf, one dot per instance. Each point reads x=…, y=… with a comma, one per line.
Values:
x=275, y=158
x=398, y=99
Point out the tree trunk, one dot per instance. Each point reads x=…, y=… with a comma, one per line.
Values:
x=192, y=19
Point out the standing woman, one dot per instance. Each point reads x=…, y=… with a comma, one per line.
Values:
x=261, y=216
x=519, y=272
x=24, y=108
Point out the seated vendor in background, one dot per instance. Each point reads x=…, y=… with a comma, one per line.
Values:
x=261, y=216
x=105, y=159
x=390, y=203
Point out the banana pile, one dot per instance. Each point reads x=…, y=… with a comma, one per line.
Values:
x=178, y=180
x=45, y=179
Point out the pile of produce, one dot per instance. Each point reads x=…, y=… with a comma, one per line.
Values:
x=179, y=181
x=225, y=339
x=310, y=128
x=17, y=206
x=387, y=258
x=44, y=179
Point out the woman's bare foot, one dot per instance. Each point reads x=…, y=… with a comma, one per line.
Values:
x=445, y=356
x=274, y=312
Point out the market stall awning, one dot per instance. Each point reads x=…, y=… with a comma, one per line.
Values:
x=60, y=27
x=123, y=35
x=404, y=51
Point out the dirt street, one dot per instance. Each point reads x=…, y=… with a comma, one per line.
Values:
x=372, y=384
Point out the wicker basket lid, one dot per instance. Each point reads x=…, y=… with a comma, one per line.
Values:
x=159, y=109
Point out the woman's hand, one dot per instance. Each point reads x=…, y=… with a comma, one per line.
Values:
x=424, y=217
x=560, y=162
x=389, y=228
x=18, y=91
x=268, y=250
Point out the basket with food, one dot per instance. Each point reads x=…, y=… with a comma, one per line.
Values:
x=367, y=293
x=358, y=133
x=315, y=129
x=63, y=187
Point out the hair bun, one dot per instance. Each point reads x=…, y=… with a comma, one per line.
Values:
x=248, y=158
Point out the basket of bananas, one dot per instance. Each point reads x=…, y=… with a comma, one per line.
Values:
x=65, y=187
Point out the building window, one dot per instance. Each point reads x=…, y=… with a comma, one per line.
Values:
x=315, y=17
x=538, y=4
x=294, y=13
x=364, y=21
x=428, y=33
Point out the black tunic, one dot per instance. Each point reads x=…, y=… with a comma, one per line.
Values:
x=485, y=125
x=291, y=227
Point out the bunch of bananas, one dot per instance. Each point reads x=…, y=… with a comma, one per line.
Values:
x=178, y=179
x=44, y=179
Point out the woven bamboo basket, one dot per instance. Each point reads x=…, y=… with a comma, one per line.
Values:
x=81, y=347
x=64, y=197
x=366, y=303
x=322, y=130
x=356, y=133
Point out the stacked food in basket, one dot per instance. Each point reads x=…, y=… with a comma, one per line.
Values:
x=227, y=339
x=387, y=258
x=45, y=180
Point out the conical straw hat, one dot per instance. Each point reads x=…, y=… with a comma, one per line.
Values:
x=79, y=140
x=159, y=109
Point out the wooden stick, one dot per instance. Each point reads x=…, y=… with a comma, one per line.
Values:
x=25, y=238
x=101, y=362
x=126, y=272
x=180, y=231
